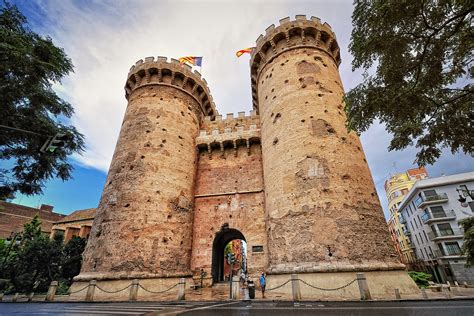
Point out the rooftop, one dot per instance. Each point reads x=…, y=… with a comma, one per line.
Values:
x=79, y=215
x=436, y=182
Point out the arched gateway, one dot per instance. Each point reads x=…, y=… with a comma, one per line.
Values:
x=223, y=237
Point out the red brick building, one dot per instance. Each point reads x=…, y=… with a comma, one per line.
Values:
x=14, y=216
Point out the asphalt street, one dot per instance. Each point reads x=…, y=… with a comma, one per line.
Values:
x=265, y=308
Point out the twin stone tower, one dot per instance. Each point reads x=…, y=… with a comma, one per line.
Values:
x=289, y=179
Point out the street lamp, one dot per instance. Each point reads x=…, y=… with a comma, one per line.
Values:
x=464, y=192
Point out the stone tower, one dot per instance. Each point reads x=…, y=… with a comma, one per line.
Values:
x=322, y=210
x=143, y=226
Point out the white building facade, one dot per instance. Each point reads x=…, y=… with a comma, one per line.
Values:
x=431, y=212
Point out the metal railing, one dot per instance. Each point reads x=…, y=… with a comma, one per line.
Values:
x=452, y=233
x=441, y=197
x=427, y=217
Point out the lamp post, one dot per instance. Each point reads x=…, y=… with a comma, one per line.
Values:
x=464, y=192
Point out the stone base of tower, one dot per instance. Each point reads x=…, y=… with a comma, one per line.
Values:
x=381, y=284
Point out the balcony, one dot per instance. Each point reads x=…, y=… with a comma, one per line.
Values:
x=406, y=232
x=432, y=199
x=438, y=217
x=438, y=254
x=446, y=234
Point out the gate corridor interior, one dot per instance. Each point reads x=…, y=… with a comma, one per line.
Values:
x=228, y=240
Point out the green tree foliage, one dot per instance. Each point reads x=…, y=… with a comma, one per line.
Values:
x=421, y=54
x=468, y=246
x=35, y=260
x=421, y=279
x=72, y=259
x=29, y=66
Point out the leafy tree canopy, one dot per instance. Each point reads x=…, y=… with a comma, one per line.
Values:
x=29, y=66
x=421, y=54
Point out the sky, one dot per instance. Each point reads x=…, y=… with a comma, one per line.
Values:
x=104, y=38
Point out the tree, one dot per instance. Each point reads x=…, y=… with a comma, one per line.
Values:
x=422, y=58
x=72, y=259
x=31, y=109
x=468, y=246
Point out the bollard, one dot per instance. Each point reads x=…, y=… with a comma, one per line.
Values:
x=456, y=283
x=133, y=290
x=15, y=297
x=424, y=294
x=181, y=289
x=91, y=290
x=464, y=284
x=30, y=297
x=53, y=287
x=235, y=288
x=397, y=294
x=295, y=288
x=446, y=292
x=363, y=287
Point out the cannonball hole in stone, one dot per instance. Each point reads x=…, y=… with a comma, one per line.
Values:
x=182, y=113
x=311, y=116
x=274, y=97
x=131, y=167
x=275, y=141
x=163, y=129
x=180, y=137
x=303, y=85
x=325, y=111
x=270, y=76
x=126, y=205
x=163, y=141
x=142, y=157
x=161, y=99
x=148, y=131
x=273, y=89
x=286, y=81
x=302, y=121
x=320, y=95
x=158, y=192
x=271, y=115
x=230, y=216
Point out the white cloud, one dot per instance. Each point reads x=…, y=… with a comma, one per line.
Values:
x=104, y=38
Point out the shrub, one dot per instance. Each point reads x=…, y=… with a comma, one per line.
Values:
x=421, y=279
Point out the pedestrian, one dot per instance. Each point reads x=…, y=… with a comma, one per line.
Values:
x=263, y=283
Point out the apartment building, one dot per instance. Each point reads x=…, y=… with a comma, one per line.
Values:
x=431, y=212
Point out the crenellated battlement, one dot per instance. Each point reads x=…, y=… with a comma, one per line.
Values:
x=300, y=33
x=172, y=73
x=230, y=120
x=229, y=132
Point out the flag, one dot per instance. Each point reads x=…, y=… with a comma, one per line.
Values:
x=243, y=51
x=193, y=60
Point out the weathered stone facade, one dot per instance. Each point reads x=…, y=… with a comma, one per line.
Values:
x=288, y=179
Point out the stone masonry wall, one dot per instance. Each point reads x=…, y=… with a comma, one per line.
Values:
x=229, y=190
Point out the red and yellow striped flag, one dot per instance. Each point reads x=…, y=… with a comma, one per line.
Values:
x=243, y=51
x=193, y=60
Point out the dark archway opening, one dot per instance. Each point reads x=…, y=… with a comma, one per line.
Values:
x=223, y=237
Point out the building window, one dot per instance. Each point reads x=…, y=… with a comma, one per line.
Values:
x=452, y=248
x=471, y=205
x=429, y=193
x=426, y=238
x=445, y=230
x=437, y=211
x=417, y=240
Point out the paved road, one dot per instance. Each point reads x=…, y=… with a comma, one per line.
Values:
x=265, y=308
